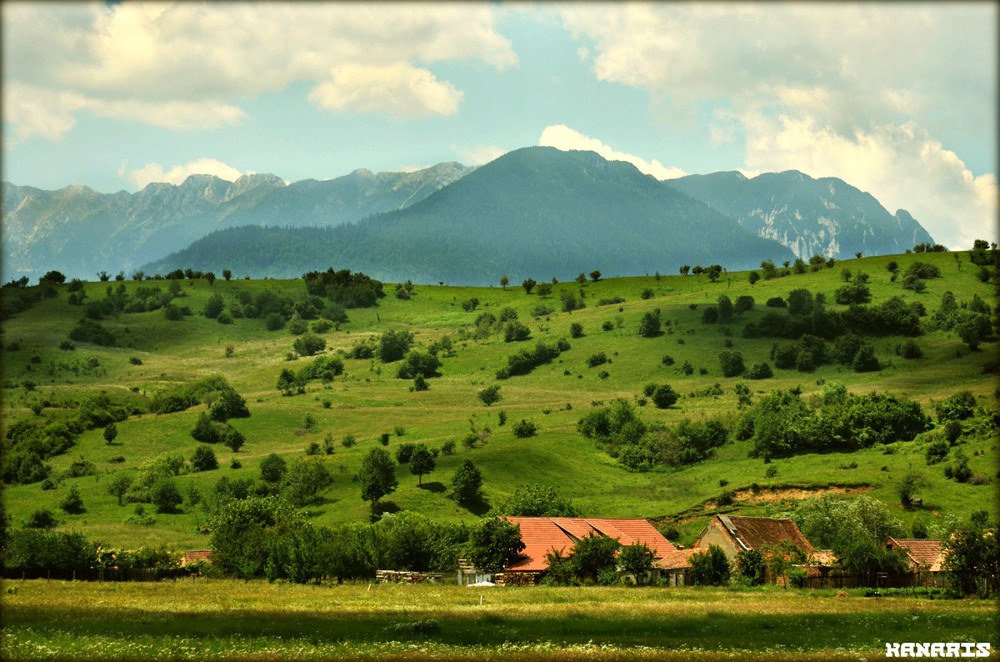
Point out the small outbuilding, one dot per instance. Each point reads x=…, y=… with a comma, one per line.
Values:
x=734, y=534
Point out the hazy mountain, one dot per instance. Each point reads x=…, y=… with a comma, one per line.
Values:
x=81, y=232
x=536, y=212
x=810, y=216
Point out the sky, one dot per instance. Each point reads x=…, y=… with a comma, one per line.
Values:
x=897, y=99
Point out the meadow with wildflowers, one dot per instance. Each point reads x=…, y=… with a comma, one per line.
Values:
x=209, y=619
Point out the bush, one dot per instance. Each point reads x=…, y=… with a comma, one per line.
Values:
x=165, y=496
x=650, y=326
x=594, y=360
x=309, y=345
x=41, y=519
x=664, y=396
x=393, y=345
x=760, y=371
x=490, y=395
x=72, y=503
x=419, y=364
x=524, y=428
x=576, y=330
x=958, y=407
x=273, y=468
x=204, y=459
x=732, y=363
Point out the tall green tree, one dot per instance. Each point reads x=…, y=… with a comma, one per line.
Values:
x=467, y=484
x=422, y=462
x=494, y=545
x=377, y=477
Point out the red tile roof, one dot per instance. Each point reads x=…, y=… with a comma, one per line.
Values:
x=925, y=553
x=196, y=555
x=679, y=559
x=542, y=535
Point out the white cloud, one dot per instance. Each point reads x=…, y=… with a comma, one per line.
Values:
x=154, y=172
x=902, y=166
x=188, y=65
x=861, y=92
x=562, y=137
x=398, y=89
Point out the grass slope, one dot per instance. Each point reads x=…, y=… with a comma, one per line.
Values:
x=369, y=400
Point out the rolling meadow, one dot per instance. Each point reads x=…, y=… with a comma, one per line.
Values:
x=369, y=406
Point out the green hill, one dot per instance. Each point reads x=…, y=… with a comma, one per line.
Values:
x=47, y=377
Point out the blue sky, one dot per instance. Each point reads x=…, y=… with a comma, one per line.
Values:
x=897, y=99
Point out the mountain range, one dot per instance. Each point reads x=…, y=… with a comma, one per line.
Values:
x=534, y=212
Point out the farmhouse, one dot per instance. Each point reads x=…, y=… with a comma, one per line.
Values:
x=542, y=535
x=735, y=534
x=925, y=559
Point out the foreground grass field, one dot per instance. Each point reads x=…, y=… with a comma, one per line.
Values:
x=225, y=620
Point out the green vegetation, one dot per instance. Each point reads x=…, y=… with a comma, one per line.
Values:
x=665, y=463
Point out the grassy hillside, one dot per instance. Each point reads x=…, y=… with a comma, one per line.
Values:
x=368, y=399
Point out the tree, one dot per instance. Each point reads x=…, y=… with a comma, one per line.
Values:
x=972, y=554
x=119, y=486
x=422, y=462
x=593, y=555
x=204, y=459
x=685, y=270
x=72, y=503
x=650, y=325
x=110, y=433
x=753, y=278
x=419, y=363
x=636, y=560
x=273, y=468
x=304, y=481
x=242, y=533
x=528, y=284
x=710, y=568
x=494, y=545
x=750, y=565
x=230, y=437
x=504, y=281
x=595, y=275
x=536, y=501
x=377, y=477
x=908, y=485
x=972, y=328
x=490, y=395
x=227, y=274
x=165, y=496
x=393, y=345
x=467, y=484
x=732, y=363
x=214, y=306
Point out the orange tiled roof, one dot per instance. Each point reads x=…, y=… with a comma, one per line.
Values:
x=678, y=559
x=925, y=553
x=196, y=555
x=542, y=535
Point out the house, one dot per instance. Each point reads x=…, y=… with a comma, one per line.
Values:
x=542, y=535
x=734, y=534
x=675, y=567
x=925, y=558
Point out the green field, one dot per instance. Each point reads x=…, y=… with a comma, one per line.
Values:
x=369, y=400
x=229, y=620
